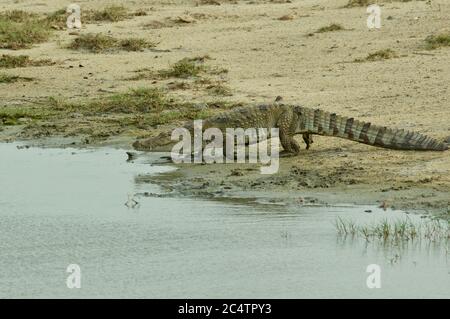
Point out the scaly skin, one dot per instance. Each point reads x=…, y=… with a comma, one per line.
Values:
x=292, y=120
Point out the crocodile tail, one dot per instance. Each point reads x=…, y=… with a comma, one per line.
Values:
x=330, y=124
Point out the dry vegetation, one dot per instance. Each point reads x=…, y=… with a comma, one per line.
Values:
x=7, y=78
x=379, y=56
x=365, y=3
x=437, y=41
x=195, y=73
x=330, y=28
x=20, y=30
x=58, y=18
x=20, y=61
x=100, y=43
x=138, y=111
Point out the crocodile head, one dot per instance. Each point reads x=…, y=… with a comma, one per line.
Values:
x=160, y=143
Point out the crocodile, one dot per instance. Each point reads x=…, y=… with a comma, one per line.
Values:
x=293, y=119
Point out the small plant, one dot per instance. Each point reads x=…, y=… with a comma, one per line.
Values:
x=93, y=42
x=98, y=43
x=13, y=115
x=20, y=30
x=112, y=14
x=140, y=13
x=19, y=61
x=108, y=14
x=183, y=69
x=135, y=44
x=345, y=227
x=330, y=28
x=191, y=67
x=6, y=78
x=437, y=41
x=18, y=16
x=379, y=56
x=137, y=100
x=358, y=3
x=395, y=231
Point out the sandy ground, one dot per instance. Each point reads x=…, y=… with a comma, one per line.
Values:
x=267, y=57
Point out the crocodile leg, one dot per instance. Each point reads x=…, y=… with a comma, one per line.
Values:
x=290, y=145
x=308, y=140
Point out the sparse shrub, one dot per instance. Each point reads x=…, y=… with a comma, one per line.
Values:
x=6, y=78
x=379, y=56
x=135, y=44
x=330, y=28
x=112, y=14
x=20, y=30
x=437, y=41
x=184, y=68
x=12, y=115
x=94, y=42
x=358, y=3
x=18, y=61
x=98, y=43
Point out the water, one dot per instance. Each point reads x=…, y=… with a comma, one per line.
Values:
x=66, y=206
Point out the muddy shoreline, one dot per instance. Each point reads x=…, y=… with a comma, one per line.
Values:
x=304, y=180
x=221, y=182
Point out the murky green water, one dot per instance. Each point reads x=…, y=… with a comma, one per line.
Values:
x=65, y=206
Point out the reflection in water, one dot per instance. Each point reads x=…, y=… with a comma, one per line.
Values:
x=65, y=206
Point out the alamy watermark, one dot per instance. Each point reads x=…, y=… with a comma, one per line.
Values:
x=74, y=19
x=211, y=146
x=74, y=279
x=374, y=279
x=374, y=18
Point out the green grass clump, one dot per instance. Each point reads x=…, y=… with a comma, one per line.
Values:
x=58, y=18
x=94, y=43
x=108, y=14
x=142, y=107
x=6, y=78
x=140, y=13
x=18, y=16
x=112, y=14
x=358, y=3
x=19, y=61
x=135, y=44
x=139, y=100
x=20, y=30
x=98, y=43
x=13, y=115
x=330, y=28
x=184, y=69
x=379, y=56
x=399, y=230
x=437, y=41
